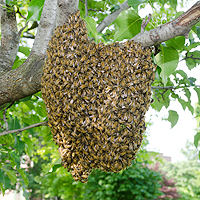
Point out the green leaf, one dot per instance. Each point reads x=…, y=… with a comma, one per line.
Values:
x=167, y=60
x=135, y=3
x=2, y=188
x=157, y=105
x=196, y=139
x=173, y=3
x=18, y=62
x=176, y=43
x=11, y=174
x=19, y=145
x=14, y=123
x=91, y=26
x=29, y=145
x=35, y=10
x=129, y=24
x=198, y=94
x=191, y=62
x=41, y=109
x=198, y=31
x=182, y=102
x=173, y=117
x=25, y=50
x=16, y=158
x=23, y=175
x=190, y=107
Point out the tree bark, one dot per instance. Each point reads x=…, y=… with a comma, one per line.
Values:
x=26, y=80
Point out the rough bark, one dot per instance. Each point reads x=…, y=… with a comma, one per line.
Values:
x=9, y=39
x=25, y=80
x=64, y=8
x=181, y=26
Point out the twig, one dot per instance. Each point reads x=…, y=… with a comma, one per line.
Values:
x=163, y=88
x=112, y=17
x=82, y=1
x=145, y=22
x=156, y=95
x=20, y=31
x=2, y=127
x=25, y=128
x=172, y=87
x=163, y=94
x=19, y=13
x=95, y=10
x=4, y=116
x=186, y=57
x=86, y=9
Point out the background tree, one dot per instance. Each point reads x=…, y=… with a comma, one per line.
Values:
x=22, y=110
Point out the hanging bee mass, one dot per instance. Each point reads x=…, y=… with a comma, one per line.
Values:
x=96, y=98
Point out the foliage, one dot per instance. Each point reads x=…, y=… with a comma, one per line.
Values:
x=167, y=185
x=14, y=147
x=137, y=182
x=187, y=177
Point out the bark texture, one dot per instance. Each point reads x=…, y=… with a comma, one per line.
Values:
x=26, y=80
x=9, y=39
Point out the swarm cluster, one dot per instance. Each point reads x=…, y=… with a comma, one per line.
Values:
x=96, y=97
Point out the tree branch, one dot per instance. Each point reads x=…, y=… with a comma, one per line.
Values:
x=25, y=128
x=46, y=27
x=86, y=8
x=64, y=8
x=26, y=79
x=145, y=22
x=112, y=17
x=180, y=26
x=9, y=39
x=171, y=87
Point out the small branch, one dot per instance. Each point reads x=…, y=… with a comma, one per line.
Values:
x=25, y=128
x=2, y=127
x=186, y=57
x=180, y=26
x=82, y=1
x=112, y=17
x=172, y=87
x=145, y=22
x=20, y=31
x=163, y=88
x=156, y=95
x=19, y=13
x=4, y=116
x=95, y=10
x=86, y=9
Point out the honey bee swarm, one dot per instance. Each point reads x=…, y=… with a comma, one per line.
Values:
x=96, y=98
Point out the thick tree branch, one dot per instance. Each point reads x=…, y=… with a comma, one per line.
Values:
x=45, y=29
x=9, y=39
x=180, y=26
x=25, y=80
x=110, y=18
x=64, y=8
x=25, y=128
